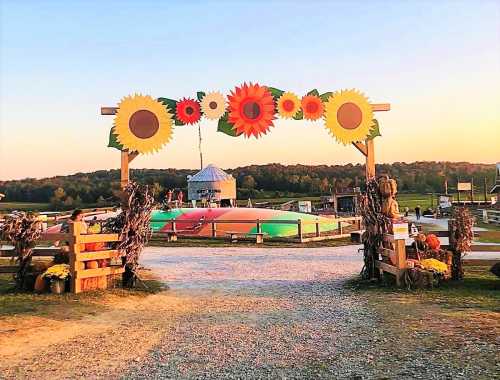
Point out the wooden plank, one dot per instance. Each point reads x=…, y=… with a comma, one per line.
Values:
x=400, y=249
x=378, y=107
x=87, y=273
x=487, y=234
x=485, y=248
x=361, y=147
x=387, y=268
x=124, y=173
x=55, y=237
x=370, y=159
x=97, y=255
x=40, y=251
x=385, y=252
x=98, y=238
x=440, y=233
x=9, y=268
x=113, y=110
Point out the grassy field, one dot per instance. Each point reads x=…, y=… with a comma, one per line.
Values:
x=24, y=206
x=479, y=291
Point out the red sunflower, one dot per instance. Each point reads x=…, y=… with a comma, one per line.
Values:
x=312, y=106
x=251, y=109
x=188, y=111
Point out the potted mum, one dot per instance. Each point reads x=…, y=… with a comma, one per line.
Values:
x=57, y=275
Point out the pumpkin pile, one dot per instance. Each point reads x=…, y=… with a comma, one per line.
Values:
x=428, y=260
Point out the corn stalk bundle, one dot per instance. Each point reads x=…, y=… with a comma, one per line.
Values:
x=133, y=225
x=23, y=231
x=376, y=225
x=461, y=239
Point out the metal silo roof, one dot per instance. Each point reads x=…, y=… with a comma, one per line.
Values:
x=211, y=174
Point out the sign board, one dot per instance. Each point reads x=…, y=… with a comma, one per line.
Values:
x=305, y=206
x=444, y=201
x=400, y=231
x=464, y=186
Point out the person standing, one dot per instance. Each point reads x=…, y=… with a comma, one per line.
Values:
x=417, y=212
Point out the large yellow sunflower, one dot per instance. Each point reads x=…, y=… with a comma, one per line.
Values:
x=142, y=124
x=288, y=105
x=348, y=116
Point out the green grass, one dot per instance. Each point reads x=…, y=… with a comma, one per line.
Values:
x=479, y=291
x=24, y=206
x=192, y=242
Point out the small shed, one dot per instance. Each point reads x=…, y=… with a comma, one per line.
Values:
x=213, y=185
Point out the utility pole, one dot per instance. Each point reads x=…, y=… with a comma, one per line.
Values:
x=472, y=191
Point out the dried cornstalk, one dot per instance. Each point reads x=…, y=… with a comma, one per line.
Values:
x=460, y=239
x=133, y=225
x=376, y=225
x=23, y=231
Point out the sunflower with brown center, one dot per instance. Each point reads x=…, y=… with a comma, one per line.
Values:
x=288, y=105
x=312, y=107
x=251, y=109
x=188, y=111
x=213, y=105
x=142, y=124
x=349, y=116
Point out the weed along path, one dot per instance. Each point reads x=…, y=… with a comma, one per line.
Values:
x=250, y=313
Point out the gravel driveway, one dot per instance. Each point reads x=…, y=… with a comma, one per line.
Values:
x=267, y=313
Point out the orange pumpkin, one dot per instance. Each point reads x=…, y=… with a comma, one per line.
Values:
x=103, y=263
x=40, y=284
x=99, y=246
x=92, y=264
x=433, y=241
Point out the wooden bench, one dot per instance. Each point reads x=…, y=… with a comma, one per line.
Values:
x=234, y=235
x=259, y=237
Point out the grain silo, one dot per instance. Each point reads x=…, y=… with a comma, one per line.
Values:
x=212, y=184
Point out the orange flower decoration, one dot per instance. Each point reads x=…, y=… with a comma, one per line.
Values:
x=312, y=107
x=251, y=109
x=188, y=111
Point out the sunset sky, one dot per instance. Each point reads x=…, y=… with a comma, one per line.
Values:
x=436, y=62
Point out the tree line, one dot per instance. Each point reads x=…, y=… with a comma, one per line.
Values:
x=254, y=181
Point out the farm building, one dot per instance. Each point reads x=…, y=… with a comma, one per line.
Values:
x=212, y=185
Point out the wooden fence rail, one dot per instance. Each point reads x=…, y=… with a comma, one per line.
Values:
x=300, y=223
x=82, y=279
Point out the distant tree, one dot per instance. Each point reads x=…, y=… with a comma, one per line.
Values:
x=69, y=202
x=57, y=200
x=157, y=189
x=248, y=182
x=100, y=201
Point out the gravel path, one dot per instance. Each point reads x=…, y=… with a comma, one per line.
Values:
x=284, y=313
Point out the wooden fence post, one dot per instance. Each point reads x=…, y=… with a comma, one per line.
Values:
x=174, y=226
x=299, y=229
x=339, y=228
x=317, y=229
x=74, y=250
x=400, y=250
x=214, y=229
x=259, y=227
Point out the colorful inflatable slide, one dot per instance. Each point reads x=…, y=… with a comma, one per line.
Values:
x=193, y=221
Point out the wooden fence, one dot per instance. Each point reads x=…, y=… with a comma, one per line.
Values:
x=82, y=279
x=397, y=255
x=490, y=216
x=301, y=236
